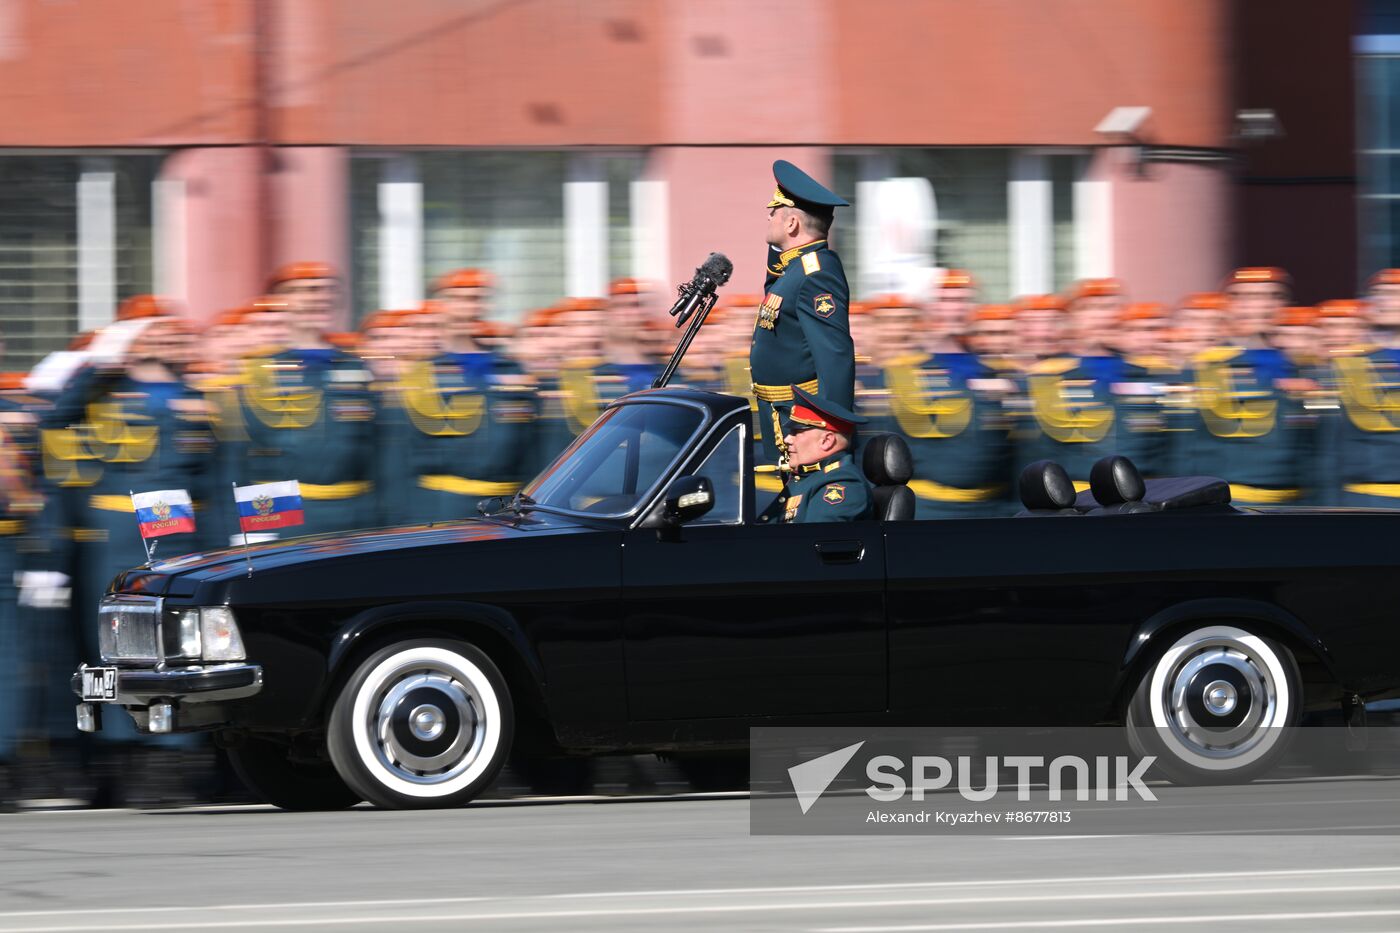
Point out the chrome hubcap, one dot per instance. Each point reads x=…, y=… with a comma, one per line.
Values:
x=1220, y=694
x=428, y=724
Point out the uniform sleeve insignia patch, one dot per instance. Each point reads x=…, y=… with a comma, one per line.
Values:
x=824, y=305
x=834, y=494
x=811, y=264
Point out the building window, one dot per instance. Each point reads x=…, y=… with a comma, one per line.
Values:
x=953, y=208
x=75, y=239
x=503, y=211
x=1379, y=152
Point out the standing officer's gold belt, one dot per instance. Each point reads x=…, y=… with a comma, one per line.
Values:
x=781, y=393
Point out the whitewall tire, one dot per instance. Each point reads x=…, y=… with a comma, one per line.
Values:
x=1219, y=706
x=426, y=723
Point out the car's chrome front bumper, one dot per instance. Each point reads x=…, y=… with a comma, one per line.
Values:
x=168, y=699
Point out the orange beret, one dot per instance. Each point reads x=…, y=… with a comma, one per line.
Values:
x=994, y=313
x=12, y=381
x=956, y=278
x=82, y=341
x=582, y=304
x=301, y=270
x=742, y=301
x=464, y=278
x=143, y=306
x=344, y=340
x=1096, y=288
x=1341, y=307
x=1298, y=316
x=230, y=318
x=1040, y=303
x=626, y=286
x=381, y=319
x=1144, y=311
x=1385, y=277
x=1254, y=275
x=856, y=308
x=889, y=302
x=1210, y=301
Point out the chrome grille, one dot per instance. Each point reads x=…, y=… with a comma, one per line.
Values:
x=129, y=628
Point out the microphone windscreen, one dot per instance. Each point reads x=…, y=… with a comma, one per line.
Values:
x=717, y=268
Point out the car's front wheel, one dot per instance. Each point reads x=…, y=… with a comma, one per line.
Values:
x=1217, y=707
x=274, y=775
x=422, y=724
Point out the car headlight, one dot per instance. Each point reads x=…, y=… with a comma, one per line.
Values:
x=219, y=635
x=204, y=634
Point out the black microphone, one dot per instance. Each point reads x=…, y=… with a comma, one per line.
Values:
x=712, y=273
x=696, y=295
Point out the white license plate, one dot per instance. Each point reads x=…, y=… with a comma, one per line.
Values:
x=100, y=683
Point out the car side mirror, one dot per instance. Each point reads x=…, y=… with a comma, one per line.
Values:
x=687, y=498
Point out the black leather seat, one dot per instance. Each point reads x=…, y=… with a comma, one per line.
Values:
x=887, y=465
x=1046, y=489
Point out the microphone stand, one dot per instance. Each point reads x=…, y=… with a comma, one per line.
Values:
x=690, y=310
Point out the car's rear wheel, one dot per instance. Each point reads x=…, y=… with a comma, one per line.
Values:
x=1218, y=706
x=273, y=775
x=422, y=724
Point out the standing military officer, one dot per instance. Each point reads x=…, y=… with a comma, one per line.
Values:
x=470, y=413
x=824, y=485
x=802, y=333
x=309, y=410
x=1254, y=431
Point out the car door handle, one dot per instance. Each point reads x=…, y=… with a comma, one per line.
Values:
x=841, y=552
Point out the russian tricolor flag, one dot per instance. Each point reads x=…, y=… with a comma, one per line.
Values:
x=164, y=512
x=269, y=505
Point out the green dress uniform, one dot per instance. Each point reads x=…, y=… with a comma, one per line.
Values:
x=802, y=332
x=1249, y=432
x=1070, y=416
x=828, y=491
x=19, y=502
x=468, y=425
x=105, y=437
x=1367, y=433
x=1145, y=426
x=310, y=417
x=958, y=435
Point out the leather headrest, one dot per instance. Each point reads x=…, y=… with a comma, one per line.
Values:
x=1045, y=485
x=1115, y=480
x=886, y=460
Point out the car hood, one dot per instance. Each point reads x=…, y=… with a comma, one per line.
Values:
x=181, y=575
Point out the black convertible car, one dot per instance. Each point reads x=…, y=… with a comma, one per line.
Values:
x=627, y=601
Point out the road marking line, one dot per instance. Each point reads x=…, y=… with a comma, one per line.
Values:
x=1113, y=922
x=531, y=914
x=789, y=889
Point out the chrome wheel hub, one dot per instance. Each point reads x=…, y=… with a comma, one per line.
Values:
x=427, y=723
x=1220, y=697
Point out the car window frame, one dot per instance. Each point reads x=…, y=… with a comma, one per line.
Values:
x=718, y=430
x=645, y=499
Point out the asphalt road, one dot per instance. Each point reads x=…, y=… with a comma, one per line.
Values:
x=678, y=864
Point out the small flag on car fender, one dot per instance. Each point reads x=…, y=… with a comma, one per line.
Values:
x=269, y=505
x=163, y=512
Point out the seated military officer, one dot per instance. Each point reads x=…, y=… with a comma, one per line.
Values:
x=825, y=484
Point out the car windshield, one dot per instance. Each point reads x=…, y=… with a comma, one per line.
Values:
x=614, y=464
